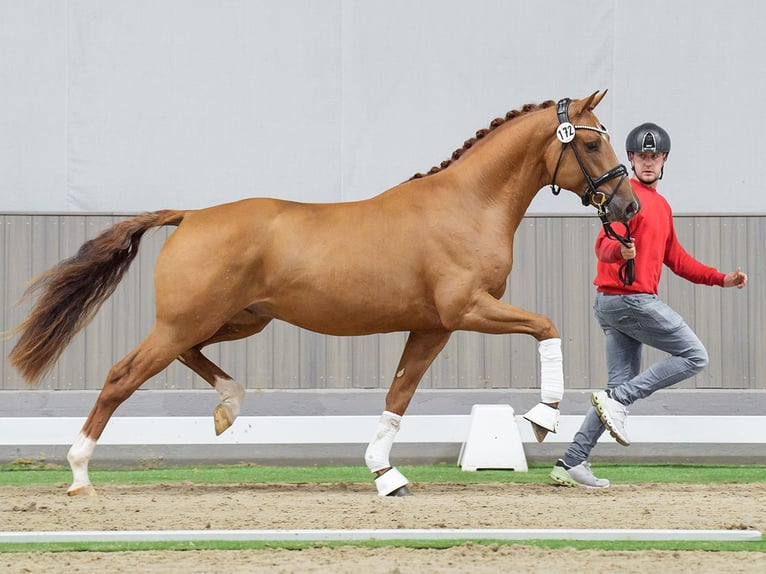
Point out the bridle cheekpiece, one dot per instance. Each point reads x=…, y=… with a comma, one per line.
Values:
x=565, y=133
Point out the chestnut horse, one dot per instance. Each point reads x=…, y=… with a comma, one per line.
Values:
x=429, y=256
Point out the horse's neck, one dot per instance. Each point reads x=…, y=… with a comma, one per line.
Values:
x=505, y=170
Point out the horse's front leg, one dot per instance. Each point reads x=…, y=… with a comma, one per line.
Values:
x=490, y=315
x=419, y=352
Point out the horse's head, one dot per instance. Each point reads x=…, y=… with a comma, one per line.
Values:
x=582, y=159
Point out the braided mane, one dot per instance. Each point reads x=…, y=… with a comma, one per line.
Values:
x=483, y=132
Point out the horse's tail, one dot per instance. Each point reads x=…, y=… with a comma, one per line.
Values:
x=70, y=294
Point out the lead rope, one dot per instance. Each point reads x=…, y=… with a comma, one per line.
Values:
x=627, y=271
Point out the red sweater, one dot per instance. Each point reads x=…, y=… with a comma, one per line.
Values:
x=656, y=244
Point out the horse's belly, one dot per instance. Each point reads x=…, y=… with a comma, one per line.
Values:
x=333, y=315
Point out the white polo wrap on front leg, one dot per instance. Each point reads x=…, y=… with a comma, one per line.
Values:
x=379, y=448
x=551, y=371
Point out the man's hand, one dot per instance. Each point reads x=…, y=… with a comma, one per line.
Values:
x=736, y=279
x=629, y=251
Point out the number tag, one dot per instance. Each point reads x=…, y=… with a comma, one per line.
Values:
x=566, y=132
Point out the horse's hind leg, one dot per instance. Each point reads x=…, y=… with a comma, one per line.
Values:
x=151, y=356
x=231, y=392
x=419, y=352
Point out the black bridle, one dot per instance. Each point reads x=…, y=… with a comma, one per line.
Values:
x=592, y=196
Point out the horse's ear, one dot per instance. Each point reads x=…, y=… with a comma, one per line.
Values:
x=597, y=100
x=588, y=103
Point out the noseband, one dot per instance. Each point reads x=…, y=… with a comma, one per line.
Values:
x=592, y=196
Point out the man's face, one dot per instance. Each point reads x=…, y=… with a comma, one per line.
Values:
x=647, y=166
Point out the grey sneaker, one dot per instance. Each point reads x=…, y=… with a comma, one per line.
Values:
x=580, y=475
x=612, y=414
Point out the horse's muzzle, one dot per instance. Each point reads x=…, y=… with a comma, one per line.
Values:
x=622, y=205
x=632, y=209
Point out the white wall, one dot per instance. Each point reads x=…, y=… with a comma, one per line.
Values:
x=112, y=106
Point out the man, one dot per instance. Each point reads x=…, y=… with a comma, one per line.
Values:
x=632, y=315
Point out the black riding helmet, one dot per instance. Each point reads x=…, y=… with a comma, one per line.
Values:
x=648, y=137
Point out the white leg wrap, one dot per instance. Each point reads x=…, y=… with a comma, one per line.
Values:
x=389, y=481
x=379, y=448
x=79, y=457
x=551, y=371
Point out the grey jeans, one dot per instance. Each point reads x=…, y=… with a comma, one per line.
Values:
x=629, y=322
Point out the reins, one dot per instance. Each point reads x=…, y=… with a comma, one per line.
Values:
x=566, y=133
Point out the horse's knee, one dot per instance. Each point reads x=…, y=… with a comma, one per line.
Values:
x=546, y=329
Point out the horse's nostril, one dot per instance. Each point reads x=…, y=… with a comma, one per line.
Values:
x=632, y=209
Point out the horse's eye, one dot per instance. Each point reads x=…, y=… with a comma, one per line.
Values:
x=593, y=146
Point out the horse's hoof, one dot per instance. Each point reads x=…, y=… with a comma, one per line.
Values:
x=222, y=418
x=540, y=432
x=84, y=490
x=401, y=491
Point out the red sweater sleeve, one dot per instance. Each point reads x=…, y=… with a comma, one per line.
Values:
x=684, y=265
x=608, y=250
x=656, y=244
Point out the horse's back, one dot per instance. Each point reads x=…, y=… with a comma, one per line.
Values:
x=331, y=268
x=374, y=225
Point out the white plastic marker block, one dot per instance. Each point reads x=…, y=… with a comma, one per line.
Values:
x=493, y=440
